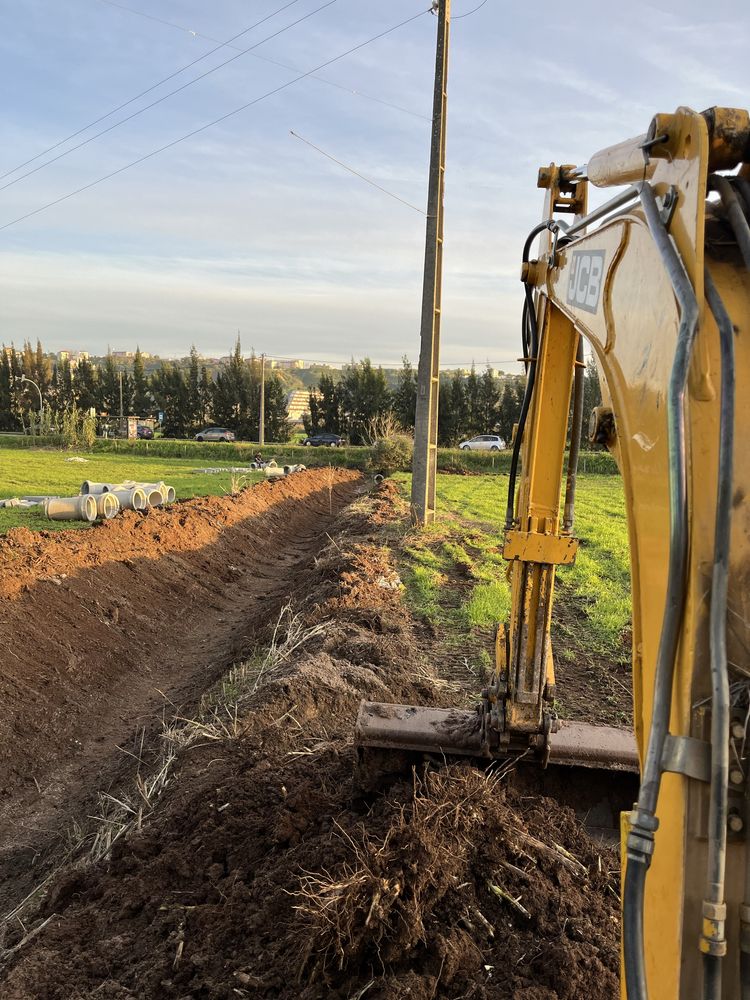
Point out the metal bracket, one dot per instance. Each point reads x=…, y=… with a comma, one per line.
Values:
x=533, y=546
x=688, y=756
x=667, y=204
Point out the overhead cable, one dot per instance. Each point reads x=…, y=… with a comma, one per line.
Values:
x=272, y=62
x=211, y=124
x=177, y=90
x=356, y=173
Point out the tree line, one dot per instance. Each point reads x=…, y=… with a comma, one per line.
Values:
x=467, y=404
x=189, y=399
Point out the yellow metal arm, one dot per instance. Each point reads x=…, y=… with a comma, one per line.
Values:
x=631, y=280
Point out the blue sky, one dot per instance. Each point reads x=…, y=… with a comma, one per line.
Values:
x=245, y=227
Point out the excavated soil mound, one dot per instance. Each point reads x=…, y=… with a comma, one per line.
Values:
x=267, y=872
x=102, y=630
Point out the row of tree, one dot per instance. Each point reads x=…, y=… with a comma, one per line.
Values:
x=188, y=398
x=467, y=404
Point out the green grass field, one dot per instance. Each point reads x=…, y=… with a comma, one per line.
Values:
x=36, y=471
x=454, y=571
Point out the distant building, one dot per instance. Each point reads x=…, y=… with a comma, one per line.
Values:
x=298, y=404
x=286, y=365
x=73, y=357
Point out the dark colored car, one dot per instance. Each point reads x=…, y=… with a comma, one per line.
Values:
x=318, y=440
x=215, y=434
x=144, y=432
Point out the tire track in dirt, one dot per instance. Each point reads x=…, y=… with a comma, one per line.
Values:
x=102, y=631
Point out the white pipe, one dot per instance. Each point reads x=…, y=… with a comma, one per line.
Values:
x=154, y=496
x=89, y=487
x=107, y=505
x=80, y=508
x=167, y=492
x=130, y=497
x=274, y=473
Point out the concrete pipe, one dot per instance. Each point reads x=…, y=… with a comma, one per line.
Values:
x=107, y=505
x=80, y=508
x=154, y=496
x=130, y=497
x=89, y=487
x=166, y=491
x=274, y=473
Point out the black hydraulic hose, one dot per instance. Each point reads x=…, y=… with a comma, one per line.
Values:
x=640, y=842
x=533, y=354
x=744, y=975
x=525, y=345
x=714, y=906
x=575, y=439
x=743, y=186
x=736, y=216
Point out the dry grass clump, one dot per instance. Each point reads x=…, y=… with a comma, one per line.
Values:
x=378, y=901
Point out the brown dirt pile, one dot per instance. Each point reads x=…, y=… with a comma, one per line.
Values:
x=266, y=872
x=135, y=599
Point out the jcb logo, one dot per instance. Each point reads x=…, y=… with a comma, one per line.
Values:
x=585, y=283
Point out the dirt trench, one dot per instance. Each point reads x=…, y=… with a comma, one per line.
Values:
x=267, y=872
x=103, y=631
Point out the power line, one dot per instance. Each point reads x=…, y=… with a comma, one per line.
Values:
x=456, y=17
x=267, y=59
x=148, y=90
x=177, y=90
x=355, y=172
x=216, y=121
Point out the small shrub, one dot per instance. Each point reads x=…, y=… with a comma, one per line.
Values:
x=392, y=454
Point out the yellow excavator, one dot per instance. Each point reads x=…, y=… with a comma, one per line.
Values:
x=657, y=281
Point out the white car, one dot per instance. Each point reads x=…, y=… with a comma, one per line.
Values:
x=482, y=442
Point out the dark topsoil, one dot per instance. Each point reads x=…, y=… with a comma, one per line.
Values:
x=267, y=872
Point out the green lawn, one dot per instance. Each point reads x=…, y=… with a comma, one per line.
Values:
x=454, y=571
x=37, y=471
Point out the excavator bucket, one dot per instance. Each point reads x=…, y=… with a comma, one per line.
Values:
x=458, y=732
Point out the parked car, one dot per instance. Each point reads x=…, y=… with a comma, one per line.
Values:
x=316, y=440
x=482, y=442
x=144, y=432
x=215, y=434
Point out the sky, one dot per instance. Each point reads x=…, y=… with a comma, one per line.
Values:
x=245, y=227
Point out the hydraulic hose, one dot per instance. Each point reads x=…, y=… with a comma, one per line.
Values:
x=529, y=338
x=736, y=216
x=640, y=842
x=713, y=944
x=575, y=439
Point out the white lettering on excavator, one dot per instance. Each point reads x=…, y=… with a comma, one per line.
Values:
x=585, y=282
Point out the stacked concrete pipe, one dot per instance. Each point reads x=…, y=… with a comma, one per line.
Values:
x=80, y=508
x=89, y=487
x=155, y=494
x=130, y=497
x=107, y=505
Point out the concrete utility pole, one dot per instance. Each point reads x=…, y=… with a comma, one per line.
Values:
x=262, y=419
x=424, y=463
x=122, y=413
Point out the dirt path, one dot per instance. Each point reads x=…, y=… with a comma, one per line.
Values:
x=103, y=631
